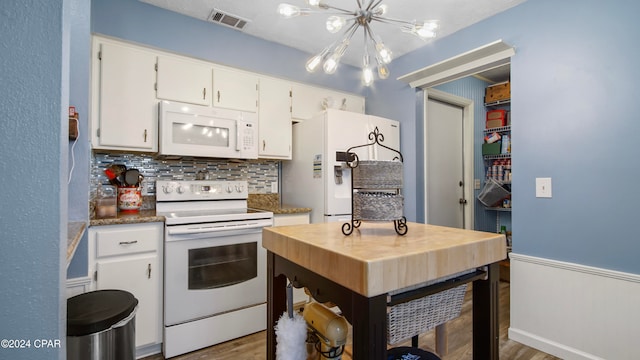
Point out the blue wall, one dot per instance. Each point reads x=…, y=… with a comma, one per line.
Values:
x=573, y=77
x=33, y=216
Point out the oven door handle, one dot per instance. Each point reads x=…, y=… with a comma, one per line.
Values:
x=202, y=229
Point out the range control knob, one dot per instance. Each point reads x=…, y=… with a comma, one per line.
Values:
x=180, y=189
x=168, y=189
x=229, y=189
x=239, y=188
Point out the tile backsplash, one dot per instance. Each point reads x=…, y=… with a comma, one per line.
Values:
x=259, y=174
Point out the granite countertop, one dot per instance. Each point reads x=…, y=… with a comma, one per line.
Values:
x=142, y=216
x=75, y=230
x=271, y=202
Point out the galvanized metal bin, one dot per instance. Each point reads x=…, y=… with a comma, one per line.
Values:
x=101, y=325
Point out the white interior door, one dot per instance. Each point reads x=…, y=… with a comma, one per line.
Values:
x=445, y=164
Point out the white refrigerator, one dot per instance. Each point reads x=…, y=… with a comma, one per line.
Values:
x=314, y=178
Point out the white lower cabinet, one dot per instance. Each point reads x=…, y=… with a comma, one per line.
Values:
x=299, y=295
x=129, y=257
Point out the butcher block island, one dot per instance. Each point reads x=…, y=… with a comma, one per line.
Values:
x=358, y=272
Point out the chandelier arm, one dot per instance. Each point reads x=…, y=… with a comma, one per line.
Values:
x=372, y=5
x=342, y=11
x=387, y=20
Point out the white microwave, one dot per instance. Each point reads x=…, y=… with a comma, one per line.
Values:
x=202, y=131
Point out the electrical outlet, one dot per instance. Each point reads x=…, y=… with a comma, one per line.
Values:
x=543, y=187
x=274, y=187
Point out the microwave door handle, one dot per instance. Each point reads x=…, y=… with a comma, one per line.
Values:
x=238, y=136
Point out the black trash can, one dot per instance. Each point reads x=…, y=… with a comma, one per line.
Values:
x=101, y=325
x=413, y=353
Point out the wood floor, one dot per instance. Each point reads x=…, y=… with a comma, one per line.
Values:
x=254, y=346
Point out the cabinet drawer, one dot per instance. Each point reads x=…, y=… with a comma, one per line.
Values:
x=122, y=242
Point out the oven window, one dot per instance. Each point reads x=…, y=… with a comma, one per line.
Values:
x=186, y=133
x=221, y=266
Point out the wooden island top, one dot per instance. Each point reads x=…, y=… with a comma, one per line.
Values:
x=375, y=260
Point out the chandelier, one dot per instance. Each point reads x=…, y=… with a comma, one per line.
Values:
x=351, y=20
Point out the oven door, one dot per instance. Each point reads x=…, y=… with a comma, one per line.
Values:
x=209, y=273
x=192, y=130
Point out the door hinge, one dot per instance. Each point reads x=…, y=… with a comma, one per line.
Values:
x=98, y=132
x=95, y=275
x=156, y=66
x=290, y=93
x=149, y=271
x=463, y=201
x=99, y=55
x=155, y=86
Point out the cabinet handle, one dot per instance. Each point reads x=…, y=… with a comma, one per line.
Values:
x=149, y=271
x=128, y=242
x=145, y=135
x=204, y=93
x=264, y=144
x=218, y=95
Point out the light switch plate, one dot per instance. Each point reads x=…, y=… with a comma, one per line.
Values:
x=543, y=187
x=476, y=184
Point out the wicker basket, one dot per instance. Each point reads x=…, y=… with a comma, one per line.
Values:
x=377, y=206
x=377, y=174
x=418, y=316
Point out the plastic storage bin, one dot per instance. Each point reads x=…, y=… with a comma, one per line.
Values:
x=101, y=325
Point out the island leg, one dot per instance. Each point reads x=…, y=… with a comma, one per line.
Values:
x=276, y=302
x=486, y=294
x=369, y=322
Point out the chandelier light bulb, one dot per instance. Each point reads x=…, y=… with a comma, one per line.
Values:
x=312, y=64
x=313, y=2
x=426, y=30
x=288, y=11
x=380, y=10
x=331, y=64
x=335, y=23
x=383, y=71
x=383, y=52
x=367, y=76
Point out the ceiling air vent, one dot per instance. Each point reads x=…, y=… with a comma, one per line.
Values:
x=226, y=19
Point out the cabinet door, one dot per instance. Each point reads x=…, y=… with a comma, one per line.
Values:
x=140, y=277
x=127, y=106
x=184, y=81
x=306, y=101
x=275, y=119
x=353, y=103
x=235, y=90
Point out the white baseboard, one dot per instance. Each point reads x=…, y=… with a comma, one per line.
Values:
x=574, y=311
x=77, y=286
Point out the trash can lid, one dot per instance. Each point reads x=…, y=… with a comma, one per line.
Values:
x=96, y=311
x=407, y=352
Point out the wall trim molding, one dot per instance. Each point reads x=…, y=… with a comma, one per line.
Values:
x=574, y=311
x=577, y=267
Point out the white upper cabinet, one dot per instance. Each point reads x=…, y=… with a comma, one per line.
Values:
x=184, y=80
x=306, y=101
x=275, y=119
x=235, y=90
x=124, y=114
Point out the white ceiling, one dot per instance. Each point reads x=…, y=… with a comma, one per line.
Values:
x=307, y=33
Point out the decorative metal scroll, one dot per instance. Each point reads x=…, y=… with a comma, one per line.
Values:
x=376, y=138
